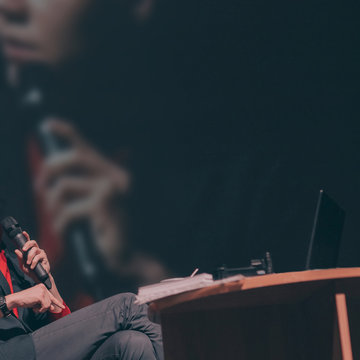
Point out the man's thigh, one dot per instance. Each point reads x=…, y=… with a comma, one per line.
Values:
x=125, y=345
x=78, y=335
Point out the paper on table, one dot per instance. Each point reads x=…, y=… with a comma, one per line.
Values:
x=166, y=288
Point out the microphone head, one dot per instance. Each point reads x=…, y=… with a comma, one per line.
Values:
x=11, y=226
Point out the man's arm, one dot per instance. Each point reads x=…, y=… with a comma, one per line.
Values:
x=36, y=255
x=37, y=297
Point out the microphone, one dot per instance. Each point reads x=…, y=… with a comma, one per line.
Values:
x=15, y=233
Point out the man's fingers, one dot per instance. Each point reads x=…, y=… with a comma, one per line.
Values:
x=43, y=309
x=31, y=254
x=44, y=303
x=29, y=244
x=26, y=235
x=20, y=255
x=55, y=301
x=37, y=258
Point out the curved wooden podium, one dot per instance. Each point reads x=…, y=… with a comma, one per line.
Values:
x=290, y=316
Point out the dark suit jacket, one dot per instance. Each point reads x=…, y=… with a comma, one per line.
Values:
x=15, y=339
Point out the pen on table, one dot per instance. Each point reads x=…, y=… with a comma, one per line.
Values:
x=194, y=272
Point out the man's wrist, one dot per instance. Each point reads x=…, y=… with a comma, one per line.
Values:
x=11, y=301
x=4, y=309
x=52, y=280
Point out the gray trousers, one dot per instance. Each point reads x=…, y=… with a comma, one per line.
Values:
x=115, y=328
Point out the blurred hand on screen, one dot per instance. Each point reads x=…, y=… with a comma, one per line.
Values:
x=80, y=183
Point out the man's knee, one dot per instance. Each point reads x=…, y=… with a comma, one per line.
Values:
x=133, y=345
x=125, y=300
x=125, y=345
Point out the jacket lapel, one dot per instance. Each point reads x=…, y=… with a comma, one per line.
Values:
x=18, y=277
x=4, y=286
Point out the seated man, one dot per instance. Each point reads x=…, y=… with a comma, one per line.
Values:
x=35, y=323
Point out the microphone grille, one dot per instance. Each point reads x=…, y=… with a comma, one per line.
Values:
x=9, y=224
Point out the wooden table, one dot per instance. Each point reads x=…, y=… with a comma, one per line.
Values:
x=298, y=315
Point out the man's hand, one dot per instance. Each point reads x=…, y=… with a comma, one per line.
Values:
x=35, y=255
x=38, y=298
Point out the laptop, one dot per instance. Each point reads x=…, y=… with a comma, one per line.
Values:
x=326, y=234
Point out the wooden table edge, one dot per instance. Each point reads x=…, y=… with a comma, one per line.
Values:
x=255, y=282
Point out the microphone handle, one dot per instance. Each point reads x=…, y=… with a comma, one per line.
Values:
x=20, y=240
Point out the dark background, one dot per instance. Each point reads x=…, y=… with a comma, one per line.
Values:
x=238, y=113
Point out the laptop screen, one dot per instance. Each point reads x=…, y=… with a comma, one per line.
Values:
x=326, y=234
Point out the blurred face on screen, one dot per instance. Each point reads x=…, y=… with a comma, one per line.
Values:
x=40, y=30
x=52, y=31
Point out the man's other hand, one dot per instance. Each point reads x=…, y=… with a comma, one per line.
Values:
x=37, y=297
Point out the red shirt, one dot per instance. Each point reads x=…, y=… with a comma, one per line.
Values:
x=6, y=272
x=64, y=312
